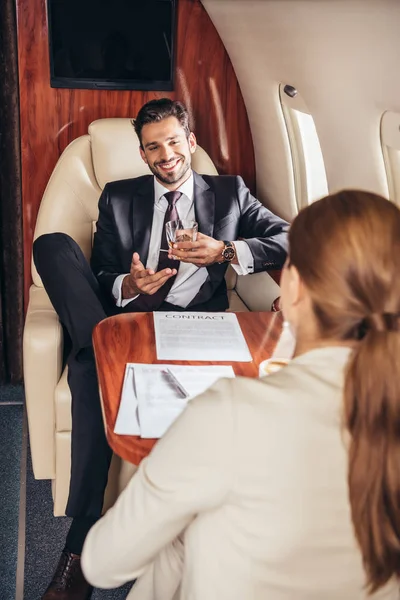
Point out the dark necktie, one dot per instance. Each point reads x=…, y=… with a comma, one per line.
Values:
x=153, y=302
x=171, y=214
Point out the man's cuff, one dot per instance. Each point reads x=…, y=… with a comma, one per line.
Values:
x=117, y=291
x=245, y=258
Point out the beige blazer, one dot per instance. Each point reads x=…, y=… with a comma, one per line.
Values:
x=245, y=498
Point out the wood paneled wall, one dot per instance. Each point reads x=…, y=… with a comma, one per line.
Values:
x=51, y=118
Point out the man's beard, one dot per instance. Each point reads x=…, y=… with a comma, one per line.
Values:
x=173, y=177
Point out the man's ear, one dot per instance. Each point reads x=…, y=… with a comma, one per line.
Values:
x=142, y=154
x=192, y=142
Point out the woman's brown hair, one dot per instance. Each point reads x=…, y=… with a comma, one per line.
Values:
x=346, y=248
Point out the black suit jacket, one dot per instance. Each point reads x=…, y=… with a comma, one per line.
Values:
x=224, y=209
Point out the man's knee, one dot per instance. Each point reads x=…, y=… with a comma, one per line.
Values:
x=50, y=246
x=50, y=242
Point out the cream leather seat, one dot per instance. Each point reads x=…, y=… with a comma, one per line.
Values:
x=108, y=152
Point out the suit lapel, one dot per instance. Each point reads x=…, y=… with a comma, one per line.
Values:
x=142, y=218
x=204, y=205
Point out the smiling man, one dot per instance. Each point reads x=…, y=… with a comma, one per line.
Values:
x=133, y=269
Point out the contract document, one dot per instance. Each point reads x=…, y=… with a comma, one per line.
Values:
x=153, y=396
x=199, y=336
x=127, y=422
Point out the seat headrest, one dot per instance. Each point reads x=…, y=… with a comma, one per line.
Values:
x=115, y=152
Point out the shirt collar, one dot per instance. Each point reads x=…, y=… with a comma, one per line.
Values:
x=186, y=188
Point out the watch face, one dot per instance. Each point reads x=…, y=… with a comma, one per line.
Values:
x=229, y=253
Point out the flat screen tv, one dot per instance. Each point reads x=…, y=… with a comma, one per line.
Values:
x=112, y=44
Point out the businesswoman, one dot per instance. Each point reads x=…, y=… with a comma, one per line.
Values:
x=286, y=487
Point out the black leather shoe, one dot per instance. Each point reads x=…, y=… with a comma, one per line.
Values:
x=68, y=582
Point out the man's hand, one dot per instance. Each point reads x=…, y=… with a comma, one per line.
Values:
x=143, y=281
x=203, y=252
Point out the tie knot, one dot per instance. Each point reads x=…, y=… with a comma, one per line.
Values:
x=172, y=197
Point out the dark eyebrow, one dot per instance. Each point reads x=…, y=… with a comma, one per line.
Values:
x=170, y=139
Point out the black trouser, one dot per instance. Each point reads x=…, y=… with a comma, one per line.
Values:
x=75, y=294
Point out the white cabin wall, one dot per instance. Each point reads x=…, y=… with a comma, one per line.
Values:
x=344, y=58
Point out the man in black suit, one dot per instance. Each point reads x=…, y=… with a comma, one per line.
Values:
x=133, y=269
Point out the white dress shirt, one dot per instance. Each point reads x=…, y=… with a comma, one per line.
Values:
x=189, y=278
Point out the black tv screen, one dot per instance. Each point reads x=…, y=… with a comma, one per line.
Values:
x=111, y=44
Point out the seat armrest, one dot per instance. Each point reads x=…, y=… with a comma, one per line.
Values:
x=258, y=290
x=42, y=360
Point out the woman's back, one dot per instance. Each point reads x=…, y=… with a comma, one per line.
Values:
x=284, y=530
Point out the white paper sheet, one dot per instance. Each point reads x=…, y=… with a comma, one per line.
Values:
x=149, y=405
x=199, y=336
x=127, y=422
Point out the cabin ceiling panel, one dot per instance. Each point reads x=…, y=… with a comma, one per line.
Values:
x=342, y=56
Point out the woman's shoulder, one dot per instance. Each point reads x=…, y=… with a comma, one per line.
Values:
x=314, y=374
x=304, y=381
x=229, y=394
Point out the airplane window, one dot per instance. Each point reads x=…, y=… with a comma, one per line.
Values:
x=308, y=163
x=390, y=141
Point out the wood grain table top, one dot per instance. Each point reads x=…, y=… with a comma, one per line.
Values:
x=130, y=338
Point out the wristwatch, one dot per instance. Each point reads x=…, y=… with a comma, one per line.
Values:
x=229, y=252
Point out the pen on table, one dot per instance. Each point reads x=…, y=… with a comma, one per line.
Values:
x=177, y=383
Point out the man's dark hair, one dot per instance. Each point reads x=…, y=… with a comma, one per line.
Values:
x=157, y=110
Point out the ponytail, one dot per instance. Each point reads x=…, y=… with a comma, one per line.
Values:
x=372, y=417
x=346, y=249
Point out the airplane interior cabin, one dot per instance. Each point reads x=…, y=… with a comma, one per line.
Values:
x=199, y=237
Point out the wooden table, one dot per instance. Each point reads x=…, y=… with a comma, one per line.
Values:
x=130, y=338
